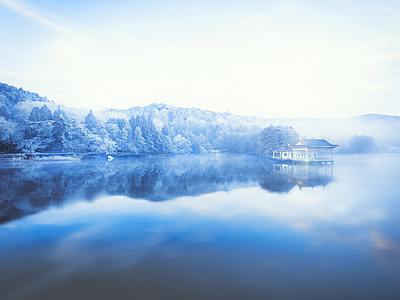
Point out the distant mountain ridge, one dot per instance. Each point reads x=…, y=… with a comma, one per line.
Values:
x=16, y=95
x=377, y=118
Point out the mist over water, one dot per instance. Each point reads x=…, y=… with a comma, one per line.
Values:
x=200, y=227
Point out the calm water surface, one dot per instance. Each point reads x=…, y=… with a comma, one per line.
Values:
x=217, y=227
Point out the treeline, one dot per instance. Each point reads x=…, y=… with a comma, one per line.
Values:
x=30, y=123
x=45, y=131
x=359, y=144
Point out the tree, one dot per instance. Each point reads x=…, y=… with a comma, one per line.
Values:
x=91, y=122
x=139, y=141
x=138, y=121
x=42, y=114
x=112, y=130
x=10, y=131
x=79, y=137
x=165, y=130
x=274, y=138
x=30, y=145
x=154, y=142
x=59, y=112
x=45, y=113
x=166, y=139
x=6, y=113
x=121, y=123
x=38, y=130
x=182, y=145
x=34, y=115
x=362, y=144
x=61, y=135
x=152, y=137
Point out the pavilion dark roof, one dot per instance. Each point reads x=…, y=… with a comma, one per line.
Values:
x=313, y=143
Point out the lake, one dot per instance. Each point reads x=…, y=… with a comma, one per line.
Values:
x=200, y=227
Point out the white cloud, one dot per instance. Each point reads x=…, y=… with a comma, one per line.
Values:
x=310, y=206
x=285, y=61
x=34, y=13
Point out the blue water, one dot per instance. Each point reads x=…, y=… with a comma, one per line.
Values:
x=200, y=227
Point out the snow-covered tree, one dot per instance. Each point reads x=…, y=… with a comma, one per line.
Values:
x=10, y=132
x=138, y=140
x=79, y=134
x=275, y=138
x=30, y=145
x=91, y=122
x=166, y=139
x=112, y=130
x=168, y=144
x=42, y=114
x=121, y=123
x=362, y=144
x=35, y=115
x=153, y=139
x=61, y=135
x=59, y=112
x=181, y=145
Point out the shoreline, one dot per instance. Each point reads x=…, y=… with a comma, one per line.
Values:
x=10, y=157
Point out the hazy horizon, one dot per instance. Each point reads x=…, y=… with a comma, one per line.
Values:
x=104, y=109
x=269, y=59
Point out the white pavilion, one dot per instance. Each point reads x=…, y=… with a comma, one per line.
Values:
x=319, y=150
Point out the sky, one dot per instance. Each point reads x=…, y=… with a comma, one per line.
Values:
x=274, y=59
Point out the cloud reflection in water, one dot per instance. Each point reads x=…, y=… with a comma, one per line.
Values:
x=338, y=234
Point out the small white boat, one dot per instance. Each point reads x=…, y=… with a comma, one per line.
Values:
x=110, y=158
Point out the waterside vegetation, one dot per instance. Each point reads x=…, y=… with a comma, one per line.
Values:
x=32, y=124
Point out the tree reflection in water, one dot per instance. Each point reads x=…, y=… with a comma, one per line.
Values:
x=28, y=187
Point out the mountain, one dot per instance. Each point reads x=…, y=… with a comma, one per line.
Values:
x=35, y=124
x=377, y=118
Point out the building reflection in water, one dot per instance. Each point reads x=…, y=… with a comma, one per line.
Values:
x=282, y=178
x=307, y=175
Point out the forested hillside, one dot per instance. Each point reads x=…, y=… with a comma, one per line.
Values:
x=35, y=124
x=31, y=123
